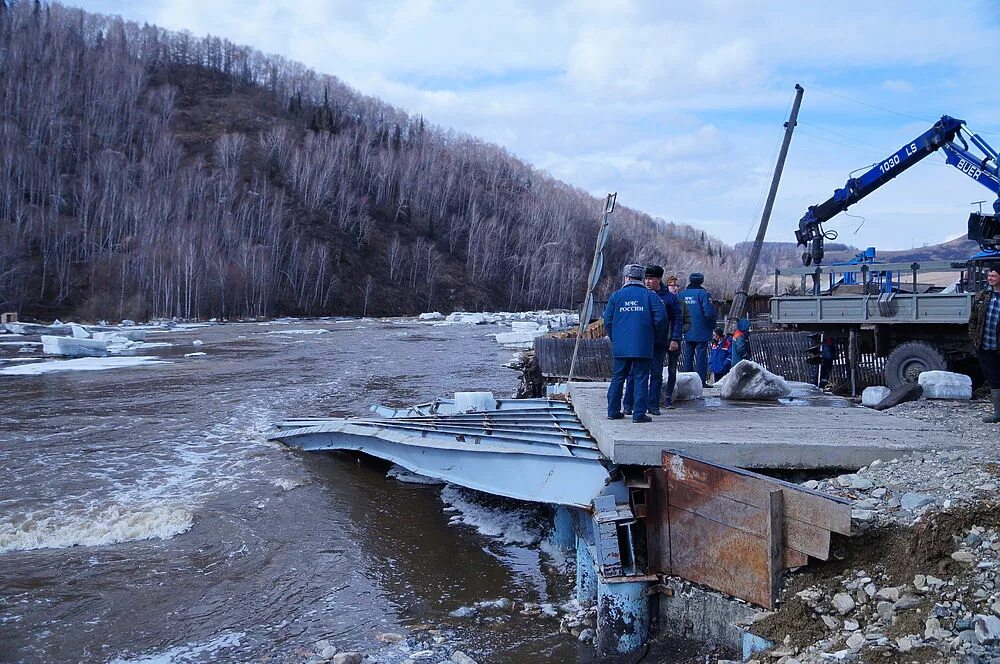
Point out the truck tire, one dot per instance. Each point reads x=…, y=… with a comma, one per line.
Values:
x=907, y=361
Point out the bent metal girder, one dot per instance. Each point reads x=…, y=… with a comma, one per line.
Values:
x=539, y=453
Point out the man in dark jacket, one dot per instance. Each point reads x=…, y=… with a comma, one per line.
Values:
x=669, y=341
x=699, y=304
x=634, y=318
x=984, y=330
x=674, y=286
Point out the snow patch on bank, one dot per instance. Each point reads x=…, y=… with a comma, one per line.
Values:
x=81, y=364
x=94, y=527
x=493, y=517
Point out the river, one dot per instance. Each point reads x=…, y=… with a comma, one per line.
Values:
x=145, y=517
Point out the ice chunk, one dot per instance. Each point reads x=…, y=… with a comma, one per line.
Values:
x=524, y=325
x=748, y=381
x=873, y=395
x=73, y=347
x=474, y=402
x=687, y=387
x=431, y=315
x=79, y=332
x=131, y=335
x=519, y=337
x=945, y=385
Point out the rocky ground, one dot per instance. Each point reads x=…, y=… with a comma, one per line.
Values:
x=920, y=579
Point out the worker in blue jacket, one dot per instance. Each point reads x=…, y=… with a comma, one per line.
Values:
x=741, y=341
x=720, y=354
x=699, y=304
x=634, y=318
x=669, y=341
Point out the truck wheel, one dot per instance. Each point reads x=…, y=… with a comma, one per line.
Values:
x=907, y=361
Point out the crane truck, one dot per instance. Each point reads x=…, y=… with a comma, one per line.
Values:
x=888, y=313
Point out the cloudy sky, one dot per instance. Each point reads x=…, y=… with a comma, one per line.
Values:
x=676, y=106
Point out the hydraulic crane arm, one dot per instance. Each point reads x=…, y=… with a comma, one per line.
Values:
x=942, y=133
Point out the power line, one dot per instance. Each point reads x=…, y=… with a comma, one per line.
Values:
x=875, y=106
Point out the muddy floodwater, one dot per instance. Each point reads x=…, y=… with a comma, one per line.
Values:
x=145, y=517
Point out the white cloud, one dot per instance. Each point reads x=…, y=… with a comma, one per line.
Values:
x=893, y=85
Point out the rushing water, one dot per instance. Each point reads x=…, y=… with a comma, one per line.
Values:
x=144, y=516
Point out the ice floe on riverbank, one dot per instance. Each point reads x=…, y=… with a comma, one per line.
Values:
x=80, y=364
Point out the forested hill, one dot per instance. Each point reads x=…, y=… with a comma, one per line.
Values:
x=148, y=173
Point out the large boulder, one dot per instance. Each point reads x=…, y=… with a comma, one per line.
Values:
x=687, y=387
x=945, y=385
x=748, y=381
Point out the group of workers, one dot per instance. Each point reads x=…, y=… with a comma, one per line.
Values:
x=646, y=320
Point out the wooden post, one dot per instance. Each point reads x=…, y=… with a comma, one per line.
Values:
x=776, y=541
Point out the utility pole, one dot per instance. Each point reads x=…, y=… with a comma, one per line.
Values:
x=595, y=275
x=740, y=298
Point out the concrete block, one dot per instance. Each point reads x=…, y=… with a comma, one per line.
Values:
x=702, y=615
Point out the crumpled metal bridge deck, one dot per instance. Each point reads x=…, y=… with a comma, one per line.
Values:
x=529, y=449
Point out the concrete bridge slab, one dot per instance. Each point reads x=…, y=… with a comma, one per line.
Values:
x=809, y=430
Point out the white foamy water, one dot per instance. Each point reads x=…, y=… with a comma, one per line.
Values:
x=510, y=525
x=288, y=483
x=191, y=652
x=96, y=527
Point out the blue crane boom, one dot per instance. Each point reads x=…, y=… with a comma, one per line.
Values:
x=948, y=134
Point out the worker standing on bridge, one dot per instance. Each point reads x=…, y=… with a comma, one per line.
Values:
x=699, y=304
x=674, y=286
x=634, y=318
x=669, y=341
x=720, y=354
x=741, y=341
x=985, y=332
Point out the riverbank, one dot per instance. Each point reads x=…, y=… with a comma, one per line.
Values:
x=918, y=581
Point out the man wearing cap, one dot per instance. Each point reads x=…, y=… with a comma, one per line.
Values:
x=634, y=319
x=669, y=341
x=699, y=303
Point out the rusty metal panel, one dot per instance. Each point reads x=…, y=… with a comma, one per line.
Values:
x=719, y=557
x=657, y=523
x=810, y=507
x=799, y=536
x=734, y=530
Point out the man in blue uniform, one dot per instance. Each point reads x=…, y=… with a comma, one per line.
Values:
x=699, y=303
x=669, y=341
x=634, y=318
